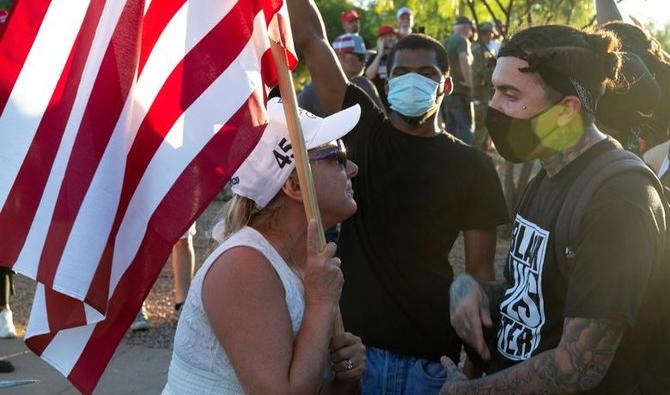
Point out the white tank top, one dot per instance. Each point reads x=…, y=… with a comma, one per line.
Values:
x=199, y=364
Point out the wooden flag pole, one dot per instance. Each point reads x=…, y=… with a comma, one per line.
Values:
x=290, y=103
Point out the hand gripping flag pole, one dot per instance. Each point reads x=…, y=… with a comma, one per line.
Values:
x=300, y=152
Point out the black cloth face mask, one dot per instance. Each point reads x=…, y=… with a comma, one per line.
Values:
x=516, y=139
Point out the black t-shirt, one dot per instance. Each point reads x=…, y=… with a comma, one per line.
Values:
x=414, y=195
x=616, y=258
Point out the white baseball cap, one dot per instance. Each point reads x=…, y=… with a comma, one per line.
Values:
x=402, y=11
x=266, y=169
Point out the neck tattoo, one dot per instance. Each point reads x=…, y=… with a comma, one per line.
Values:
x=557, y=162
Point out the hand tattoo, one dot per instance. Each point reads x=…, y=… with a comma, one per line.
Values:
x=460, y=289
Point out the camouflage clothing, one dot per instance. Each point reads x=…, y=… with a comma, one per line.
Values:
x=484, y=61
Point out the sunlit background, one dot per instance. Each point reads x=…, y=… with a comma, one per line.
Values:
x=647, y=11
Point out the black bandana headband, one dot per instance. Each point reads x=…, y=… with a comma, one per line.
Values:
x=556, y=80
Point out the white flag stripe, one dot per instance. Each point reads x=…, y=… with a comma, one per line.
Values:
x=147, y=3
x=84, y=248
x=38, y=323
x=98, y=210
x=194, y=20
x=168, y=162
x=92, y=315
x=35, y=85
x=29, y=258
x=166, y=54
x=274, y=28
x=66, y=347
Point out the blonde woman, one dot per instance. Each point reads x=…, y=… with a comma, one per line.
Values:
x=258, y=316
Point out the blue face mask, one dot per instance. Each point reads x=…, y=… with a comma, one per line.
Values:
x=412, y=94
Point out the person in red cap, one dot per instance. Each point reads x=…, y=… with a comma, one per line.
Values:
x=387, y=37
x=351, y=22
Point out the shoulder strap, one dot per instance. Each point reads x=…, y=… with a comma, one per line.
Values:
x=588, y=182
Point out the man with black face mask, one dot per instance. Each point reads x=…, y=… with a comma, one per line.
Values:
x=417, y=188
x=579, y=316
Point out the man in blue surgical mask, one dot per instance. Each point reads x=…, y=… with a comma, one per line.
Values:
x=416, y=84
x=417, y=188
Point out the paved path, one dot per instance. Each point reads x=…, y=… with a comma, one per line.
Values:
x=133, y=370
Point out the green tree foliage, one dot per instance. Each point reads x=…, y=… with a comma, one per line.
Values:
x=5, y=4
x=436, y=17
x=662, y=34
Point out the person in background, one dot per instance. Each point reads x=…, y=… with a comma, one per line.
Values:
x=351, y=22
x=387, y=37
x=483, y=63
x=7, y=329
x=183, y=265
x=636, y=114
x=405, y=21
x=458, y=110
x=351, y=52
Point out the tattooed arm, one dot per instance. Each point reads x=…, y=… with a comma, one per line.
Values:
x=470, y=305
x=579, y=363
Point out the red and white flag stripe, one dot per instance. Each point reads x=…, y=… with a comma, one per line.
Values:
x=121, y=120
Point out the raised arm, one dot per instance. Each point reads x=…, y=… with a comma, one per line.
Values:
x=373, y=68
x=309, y=35
x=607, y=11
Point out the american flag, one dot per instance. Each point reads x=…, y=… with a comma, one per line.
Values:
x=120, y=120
